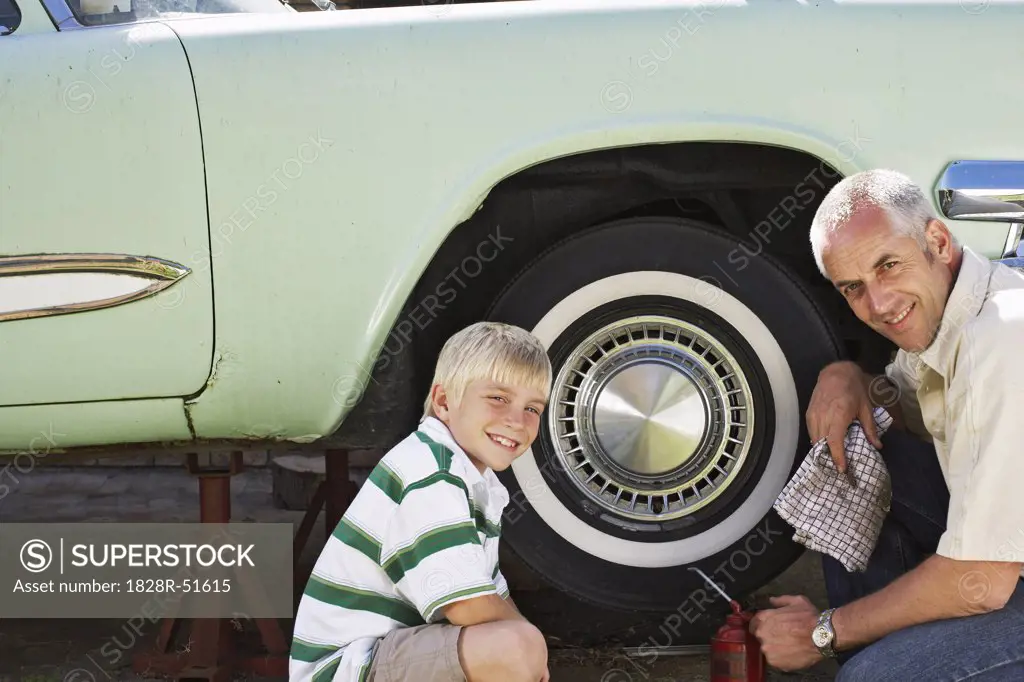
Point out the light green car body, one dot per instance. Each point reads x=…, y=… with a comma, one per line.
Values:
x=305, y=168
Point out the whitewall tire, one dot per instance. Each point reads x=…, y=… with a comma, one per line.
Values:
x=676, y=415
x=783, y=393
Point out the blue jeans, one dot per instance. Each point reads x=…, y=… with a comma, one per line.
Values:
x=981, y=648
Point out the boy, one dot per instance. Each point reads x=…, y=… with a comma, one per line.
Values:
x=408, y=588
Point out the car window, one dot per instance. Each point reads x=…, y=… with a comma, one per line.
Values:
x=10, y=17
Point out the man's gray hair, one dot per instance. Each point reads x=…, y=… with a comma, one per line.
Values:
x=903, y=201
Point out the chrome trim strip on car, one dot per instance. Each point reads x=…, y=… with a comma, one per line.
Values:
x=143, y=276
x=982, y=190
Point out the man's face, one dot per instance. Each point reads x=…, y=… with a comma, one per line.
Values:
x=892, y=285
x=494, y=423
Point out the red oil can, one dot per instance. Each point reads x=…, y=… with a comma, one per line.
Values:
x=735, y=653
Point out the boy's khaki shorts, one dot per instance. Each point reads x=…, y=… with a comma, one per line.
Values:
x=425, y=653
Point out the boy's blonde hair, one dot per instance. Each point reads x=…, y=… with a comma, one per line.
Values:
x=491, y=351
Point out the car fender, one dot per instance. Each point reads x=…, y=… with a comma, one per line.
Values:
x=404, y=136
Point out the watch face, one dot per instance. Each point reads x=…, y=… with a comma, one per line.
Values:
x=820, y=636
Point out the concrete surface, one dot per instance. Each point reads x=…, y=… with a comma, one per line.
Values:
x=69, y=650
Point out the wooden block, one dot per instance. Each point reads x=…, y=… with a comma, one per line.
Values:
x=295, y=480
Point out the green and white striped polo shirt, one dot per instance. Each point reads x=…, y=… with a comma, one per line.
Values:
x=421, y=533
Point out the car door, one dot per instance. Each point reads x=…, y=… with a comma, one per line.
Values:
x=105, y=284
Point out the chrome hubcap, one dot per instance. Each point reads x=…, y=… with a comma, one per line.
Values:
x=651, y=418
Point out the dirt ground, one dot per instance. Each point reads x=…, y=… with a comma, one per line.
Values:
x=88, y=650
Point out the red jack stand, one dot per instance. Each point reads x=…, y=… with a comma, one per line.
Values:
x=335, y=493
x=210, y=651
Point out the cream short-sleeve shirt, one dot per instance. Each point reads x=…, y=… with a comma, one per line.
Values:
x=965, y=393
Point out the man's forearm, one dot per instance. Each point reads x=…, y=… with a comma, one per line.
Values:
x=938, y=588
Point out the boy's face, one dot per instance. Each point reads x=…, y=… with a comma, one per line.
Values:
x=494, y=423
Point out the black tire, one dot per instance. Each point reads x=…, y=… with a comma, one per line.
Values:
x=807, y=342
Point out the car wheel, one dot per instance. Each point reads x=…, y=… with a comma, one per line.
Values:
x=681, y=376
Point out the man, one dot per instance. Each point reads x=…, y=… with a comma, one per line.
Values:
x=941, y=599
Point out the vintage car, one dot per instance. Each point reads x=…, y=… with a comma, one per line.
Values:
x=228, y=221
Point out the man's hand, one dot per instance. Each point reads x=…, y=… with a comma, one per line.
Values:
x=785, y=632
x=840, y=396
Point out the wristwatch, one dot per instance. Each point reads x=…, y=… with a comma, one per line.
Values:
x=824, y=635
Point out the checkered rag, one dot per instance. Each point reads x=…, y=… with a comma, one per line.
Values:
x=835, y=514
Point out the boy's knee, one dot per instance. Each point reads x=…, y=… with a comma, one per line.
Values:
x=529, y=647
x=503, y=651
x=529, y=640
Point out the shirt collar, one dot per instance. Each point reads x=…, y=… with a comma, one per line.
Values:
x=965, y=301
x=437, y=430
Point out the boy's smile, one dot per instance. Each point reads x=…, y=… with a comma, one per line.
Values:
x=494, y=423
x=508, y=443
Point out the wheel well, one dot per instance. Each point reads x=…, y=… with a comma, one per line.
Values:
x=764, y=195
